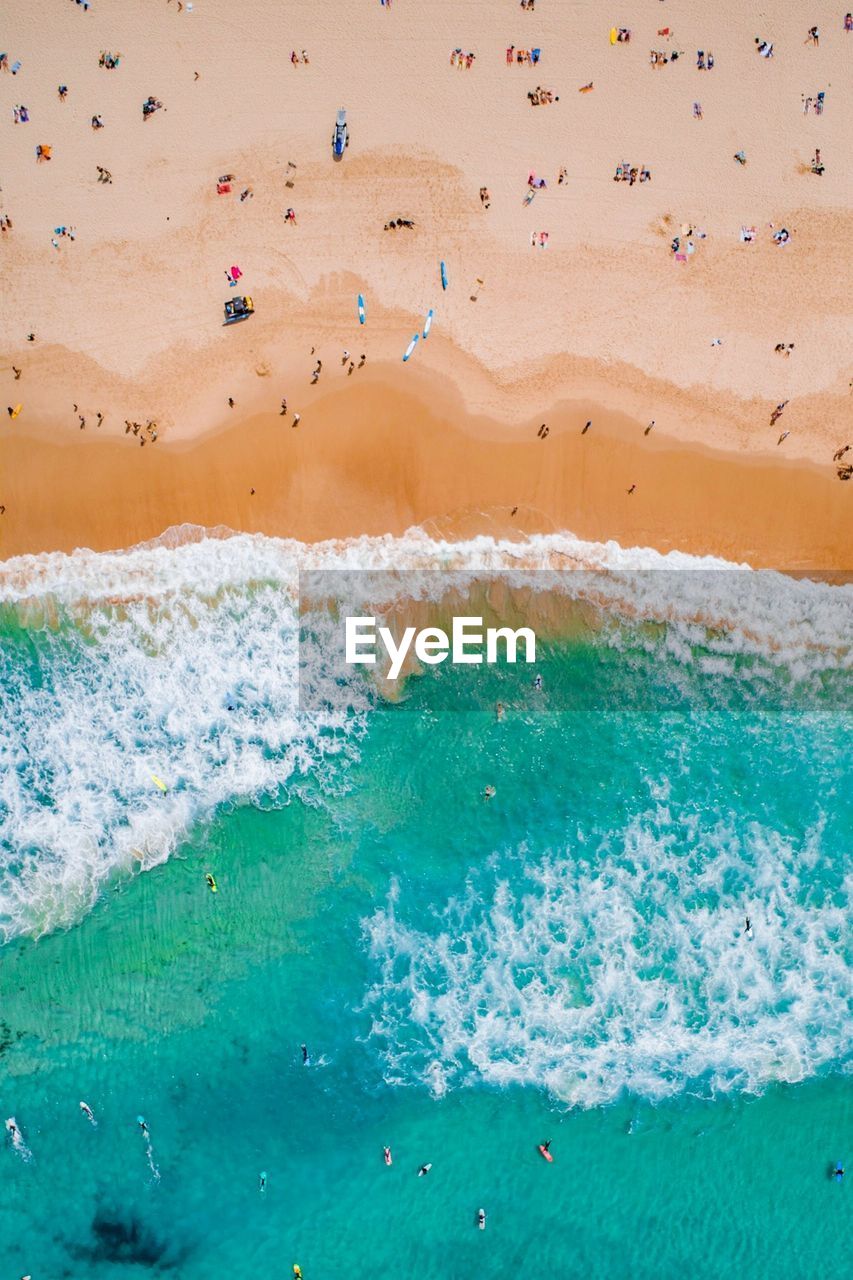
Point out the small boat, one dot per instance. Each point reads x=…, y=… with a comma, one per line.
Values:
x=340, y=137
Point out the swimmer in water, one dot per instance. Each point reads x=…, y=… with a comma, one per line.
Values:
x=211, y=883
x=88, y=1112
x=537, y=682
x=305, y=1055
x=297, y=1271
x=140, y=1120
x=488, y=792
x=499, y=710
x=13, y=1131
x=262, y=1182
x=424, y=1170
x=748, y=929
x=386, y=1155
x=481, y=1219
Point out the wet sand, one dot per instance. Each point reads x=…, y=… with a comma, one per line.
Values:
x=393, y=448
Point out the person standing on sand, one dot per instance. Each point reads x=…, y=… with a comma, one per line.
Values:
x=283, y=410
x=633, y=487
x=296, y=420
x=230, y=402
x=649, y=427
x=587, y=427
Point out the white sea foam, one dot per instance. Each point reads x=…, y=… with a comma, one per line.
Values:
x=131, y=660
x=591, y=974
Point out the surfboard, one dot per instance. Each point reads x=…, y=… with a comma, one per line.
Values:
x=17, y=409
x=410, y=348
x=361, y=316
x=614, y=35
x=545, y=1154
x=158, y=782
x=428, y=322
x=443, y=276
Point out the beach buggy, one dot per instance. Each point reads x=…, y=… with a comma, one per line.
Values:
x=340, y=138
x=238, y=309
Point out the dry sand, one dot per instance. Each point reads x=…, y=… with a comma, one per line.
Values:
x=602, y=324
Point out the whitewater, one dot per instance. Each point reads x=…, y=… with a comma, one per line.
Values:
x=179, y=661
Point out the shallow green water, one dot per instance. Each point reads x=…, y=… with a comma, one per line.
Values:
x=564, y=961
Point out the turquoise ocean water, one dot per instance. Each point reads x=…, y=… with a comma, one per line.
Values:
x=470, y=977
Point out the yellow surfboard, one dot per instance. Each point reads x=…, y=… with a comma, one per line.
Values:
x=158, y=782
x=17, y=409
x=614, y=35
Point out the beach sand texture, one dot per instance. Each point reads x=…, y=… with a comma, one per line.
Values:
x=603, y=324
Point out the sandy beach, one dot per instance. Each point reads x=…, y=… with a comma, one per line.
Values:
x=601, y=321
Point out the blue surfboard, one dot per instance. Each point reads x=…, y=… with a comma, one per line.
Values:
x=428, y=322
x=443, y=276
x=410, y=348
x=361, y=315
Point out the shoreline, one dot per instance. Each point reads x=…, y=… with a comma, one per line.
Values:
x=390, y=448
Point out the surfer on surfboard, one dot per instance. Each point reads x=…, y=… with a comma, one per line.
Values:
x=545, y=1151
x=386, y=1155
